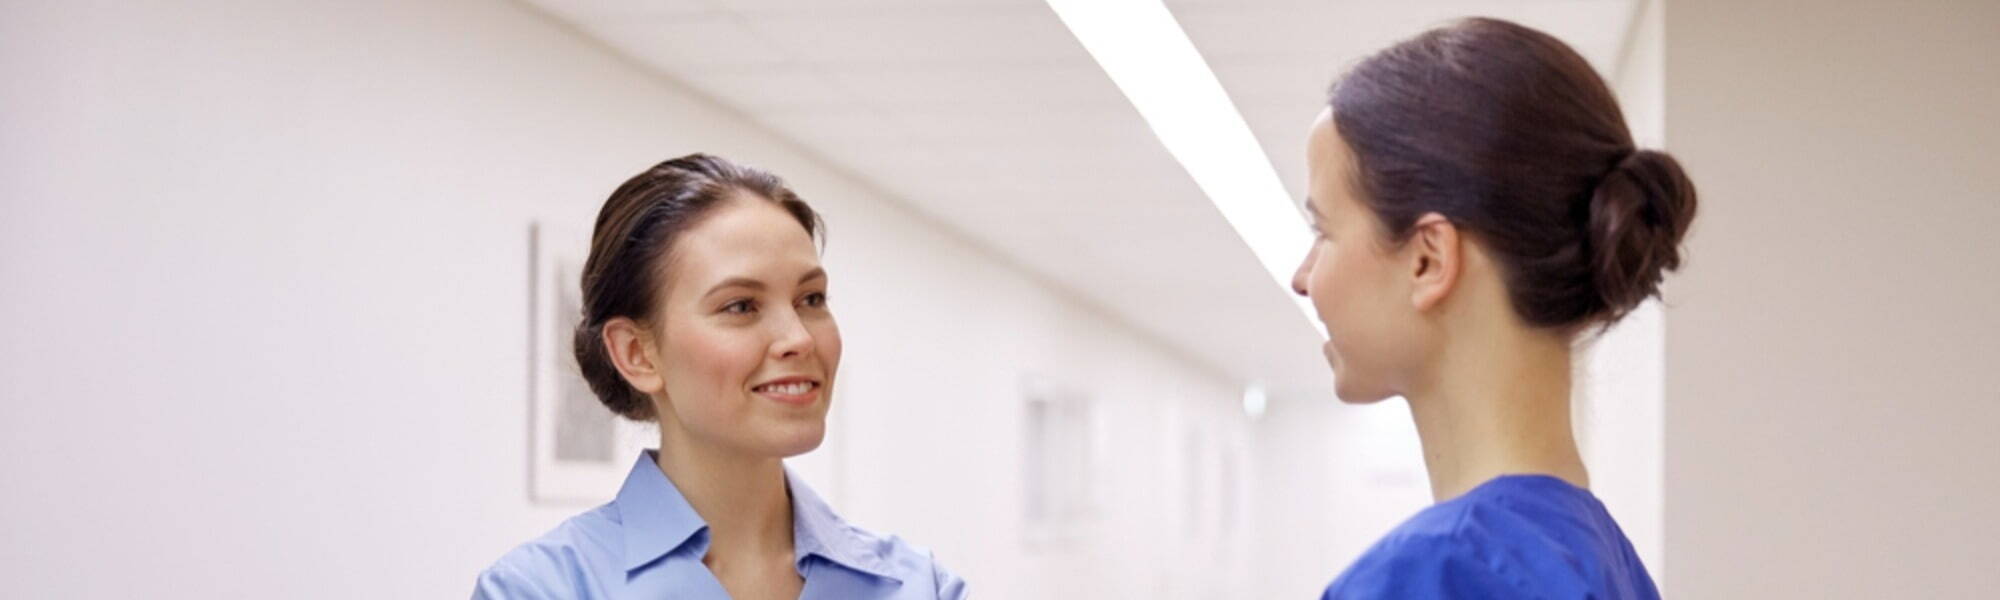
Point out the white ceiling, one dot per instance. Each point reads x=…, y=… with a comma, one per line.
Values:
x=987, y=116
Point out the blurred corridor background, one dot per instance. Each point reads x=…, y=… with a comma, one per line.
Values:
x=271, y=276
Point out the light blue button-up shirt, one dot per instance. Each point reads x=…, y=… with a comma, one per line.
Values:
x=648, y=543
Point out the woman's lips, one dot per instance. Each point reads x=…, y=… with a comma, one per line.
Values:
x=790, y=390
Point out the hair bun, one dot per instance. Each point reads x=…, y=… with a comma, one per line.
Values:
x=1638, y=215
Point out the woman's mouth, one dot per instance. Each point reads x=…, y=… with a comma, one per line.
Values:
x=789, y=390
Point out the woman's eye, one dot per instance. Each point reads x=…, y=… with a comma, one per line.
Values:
x=815, y=299
x=739, y=307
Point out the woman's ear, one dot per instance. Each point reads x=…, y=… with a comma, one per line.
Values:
x=631, y=350
x=1437, y=258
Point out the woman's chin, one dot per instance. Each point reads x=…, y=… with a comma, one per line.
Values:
x=1362, y=400
x=1354, y=392
x=796, y=439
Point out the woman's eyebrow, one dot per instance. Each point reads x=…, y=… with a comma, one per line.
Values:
x=744, y=282
x=755, y=285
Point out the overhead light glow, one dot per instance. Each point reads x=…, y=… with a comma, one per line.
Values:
x=1145, y=52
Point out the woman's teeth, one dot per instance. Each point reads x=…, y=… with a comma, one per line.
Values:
x=792, y=389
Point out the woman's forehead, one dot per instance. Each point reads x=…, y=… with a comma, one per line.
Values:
x=753, y=240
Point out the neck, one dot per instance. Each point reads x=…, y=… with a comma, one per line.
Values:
x=743, y=499
x=1497, y=404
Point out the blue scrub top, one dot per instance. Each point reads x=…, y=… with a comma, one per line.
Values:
x=1517, y=536
x=648, y=543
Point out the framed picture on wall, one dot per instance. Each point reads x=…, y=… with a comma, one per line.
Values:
x=579, y=452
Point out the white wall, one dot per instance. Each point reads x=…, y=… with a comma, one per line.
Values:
x=263, y=278
x=1831, y=412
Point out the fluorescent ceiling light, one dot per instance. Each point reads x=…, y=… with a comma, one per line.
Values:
x=1142, y=48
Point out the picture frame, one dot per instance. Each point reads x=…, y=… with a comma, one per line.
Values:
x=579, y=451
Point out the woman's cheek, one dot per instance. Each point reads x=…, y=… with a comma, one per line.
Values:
x=725, y=359
x=1326, y=286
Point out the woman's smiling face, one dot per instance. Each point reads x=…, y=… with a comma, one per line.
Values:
x=747, y=347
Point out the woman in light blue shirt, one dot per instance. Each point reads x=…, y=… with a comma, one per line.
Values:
x=1479, y=205
x=705, y=310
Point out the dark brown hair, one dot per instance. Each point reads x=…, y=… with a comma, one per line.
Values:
x=635, y=231
x=1509, y=134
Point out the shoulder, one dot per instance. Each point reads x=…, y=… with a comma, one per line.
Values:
x=1502, y=541
x=559, y=564
x=1465, y=548
x=1429, y=556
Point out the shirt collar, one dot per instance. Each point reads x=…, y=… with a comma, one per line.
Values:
x=656, y=520
x=654, y=517
x=816, y=531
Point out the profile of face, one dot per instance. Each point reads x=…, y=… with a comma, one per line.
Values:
x=742, y=346
x=1368, y=291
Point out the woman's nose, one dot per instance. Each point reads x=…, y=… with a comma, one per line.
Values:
x=793, y=338
x=1299, y=276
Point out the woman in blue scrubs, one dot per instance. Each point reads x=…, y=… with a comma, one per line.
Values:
x=705, y=310
x=1478, y=205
